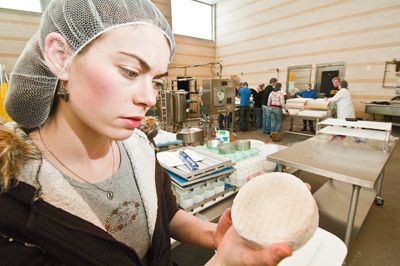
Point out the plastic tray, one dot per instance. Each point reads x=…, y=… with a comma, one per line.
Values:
x=219, y=163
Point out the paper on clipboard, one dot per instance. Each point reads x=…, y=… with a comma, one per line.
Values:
x=171, y=158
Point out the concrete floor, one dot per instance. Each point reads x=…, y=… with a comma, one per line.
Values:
x=378, y=242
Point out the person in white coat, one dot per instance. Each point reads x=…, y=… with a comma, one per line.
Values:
x=344, y=103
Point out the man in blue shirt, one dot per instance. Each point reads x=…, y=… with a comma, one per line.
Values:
x=244, y=94
x=308, y=92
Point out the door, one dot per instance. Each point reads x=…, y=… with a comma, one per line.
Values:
x=326, y=80
x=325, y=73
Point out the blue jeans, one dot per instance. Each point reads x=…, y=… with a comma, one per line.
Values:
x=266, y=119
x=276, y=119
x=259, y=117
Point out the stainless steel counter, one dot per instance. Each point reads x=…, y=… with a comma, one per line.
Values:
x=312, y=115
x=338, y=158
x=390, y=110
x=359, y=164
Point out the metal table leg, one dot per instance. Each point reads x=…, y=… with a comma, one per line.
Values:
x=378, y=200
x=315, y=126
x=279, y=167
x=352, y=214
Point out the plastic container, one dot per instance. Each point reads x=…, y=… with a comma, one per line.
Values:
x=209, y=191
x=186, y=201
x=198, y=196
x=219, y=187
x=180, y=193
x=227, y=147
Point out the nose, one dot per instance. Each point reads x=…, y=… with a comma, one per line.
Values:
x=146, y=95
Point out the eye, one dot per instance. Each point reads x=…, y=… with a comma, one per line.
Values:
x=128, y=73
x=158, y=84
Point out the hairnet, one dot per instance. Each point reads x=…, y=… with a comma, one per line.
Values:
x=33, y=85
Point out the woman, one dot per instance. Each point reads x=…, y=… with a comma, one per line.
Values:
x=276, y=102
x=344, y=103
x=80, y=184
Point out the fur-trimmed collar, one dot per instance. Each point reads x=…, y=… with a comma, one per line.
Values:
x=58, y=192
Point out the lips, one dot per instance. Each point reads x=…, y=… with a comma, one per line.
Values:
x=132, y=121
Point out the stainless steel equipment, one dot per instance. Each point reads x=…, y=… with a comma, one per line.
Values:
x=390, y=109
x=191, y=136
x=179, y=106
x=218, y=96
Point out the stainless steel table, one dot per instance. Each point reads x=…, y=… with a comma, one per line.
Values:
x=313, y=115
x=360, y=164
x=392, y=110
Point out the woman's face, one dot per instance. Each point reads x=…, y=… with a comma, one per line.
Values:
x=111, y=84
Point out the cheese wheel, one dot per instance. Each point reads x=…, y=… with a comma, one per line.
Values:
x=275, y=208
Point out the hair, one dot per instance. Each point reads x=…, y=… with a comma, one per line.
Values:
x=344, y=84
x=273, y=80
x=335, y=78
x=278, y=85
x=245, y=84
x=14, y=151
x=309, y=85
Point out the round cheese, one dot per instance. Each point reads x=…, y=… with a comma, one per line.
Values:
x=275, y=208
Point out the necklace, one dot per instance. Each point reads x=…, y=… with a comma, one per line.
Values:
x=109, y=192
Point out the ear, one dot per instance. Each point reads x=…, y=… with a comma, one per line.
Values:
x=56, y=54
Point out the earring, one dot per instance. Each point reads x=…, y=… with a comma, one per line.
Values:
x=62, y=92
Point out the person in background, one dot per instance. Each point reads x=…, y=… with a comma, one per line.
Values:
x=276, y=102
x=244, y=94
x=308, y=92
x=344, y=103
x=265, y=109
x=237, y=89
x=329, y=93
x=257, y=98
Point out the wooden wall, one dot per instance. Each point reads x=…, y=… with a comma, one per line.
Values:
x=16, y=28
x=255, y=37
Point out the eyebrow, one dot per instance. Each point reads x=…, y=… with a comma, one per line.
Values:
x=143, y=63
x=161, y=75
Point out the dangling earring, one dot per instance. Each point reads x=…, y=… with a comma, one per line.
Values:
x=62, y=92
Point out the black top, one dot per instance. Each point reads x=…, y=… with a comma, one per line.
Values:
x=257, y=97
x=266, y=94
x=37, y=233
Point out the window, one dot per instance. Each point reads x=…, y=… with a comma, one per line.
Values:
x=25, y=5
x=192, y=18
x=298, y=76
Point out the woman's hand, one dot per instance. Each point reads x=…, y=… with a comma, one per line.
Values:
x=234, y=250
x=224, y=223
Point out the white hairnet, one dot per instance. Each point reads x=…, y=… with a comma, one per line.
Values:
x=33, y=85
